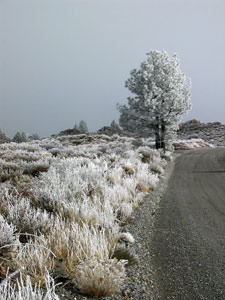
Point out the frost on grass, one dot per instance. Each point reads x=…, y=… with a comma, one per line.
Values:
x=7, y=233
x=100, y=277
x=23, y=289
x=63, y=204
x=36, y=261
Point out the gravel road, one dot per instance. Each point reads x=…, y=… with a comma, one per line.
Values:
x=188, y=241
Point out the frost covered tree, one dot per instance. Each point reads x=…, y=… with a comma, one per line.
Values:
x=161, y=95
x=76, y=127
x=19, y=137
x=114, y=125
x=34, y=136
x=3, y=138
x=83, y=127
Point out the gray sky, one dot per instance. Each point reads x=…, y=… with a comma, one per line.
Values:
x=66, y=60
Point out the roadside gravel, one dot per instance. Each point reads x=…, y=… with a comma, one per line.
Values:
x=140, y=284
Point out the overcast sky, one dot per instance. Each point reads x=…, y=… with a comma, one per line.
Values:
x=62, y=61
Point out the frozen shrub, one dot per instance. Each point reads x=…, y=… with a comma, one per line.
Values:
x=167, y=156
x=157, y=165
x=24, y=290
x=36, y=168
x=62, y=240
x=147, y=154
x=124, y=211
x=97, y=213
x=7, y=233
x=36, y=259
x=9, y=167
x=127, y=237
x=88, y=241
x=74, y=243
x=97, y=277
x=123, y=253
x=20, y=212
x=9, y=242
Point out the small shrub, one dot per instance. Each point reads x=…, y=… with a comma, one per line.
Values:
x=128, y=170
x=7, y=233
x=23, y=289
x=99, y=277
x=124, y=253
x=36, y=259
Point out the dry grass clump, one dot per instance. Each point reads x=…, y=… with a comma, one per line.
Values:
x=20, y=212
x=167, y=156
x=9, y=241
x=36, y=168
x=128, y=170
x=7, y=233
x=124, y=211
x=147, y=154
x=36, y=260
x=23, y=289
x=9, y=170
x=124, y=253
x=97, y=277
x=142, y=188
x=74, y=243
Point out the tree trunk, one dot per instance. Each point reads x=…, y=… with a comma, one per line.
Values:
x=157, y=136
x=163, y=134
x=160, y=133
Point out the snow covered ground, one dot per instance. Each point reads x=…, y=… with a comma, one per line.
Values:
x=63, y=204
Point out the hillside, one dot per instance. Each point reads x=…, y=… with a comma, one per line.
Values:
x=213, y=133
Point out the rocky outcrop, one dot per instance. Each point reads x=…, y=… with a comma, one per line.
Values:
x=213, y=133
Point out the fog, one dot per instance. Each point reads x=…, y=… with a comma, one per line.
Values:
x=62, y=61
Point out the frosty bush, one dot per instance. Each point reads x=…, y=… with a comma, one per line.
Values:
x=98, y=277
x=24, y=290
x=35, y=259
x=74, y=243
x=7, y=233
x=19, y=211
